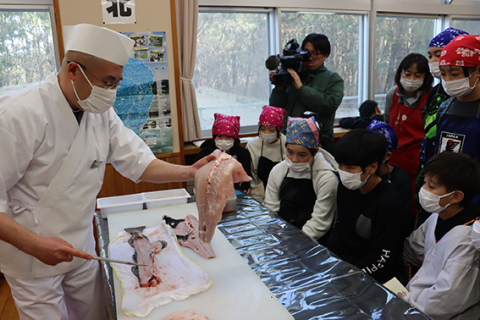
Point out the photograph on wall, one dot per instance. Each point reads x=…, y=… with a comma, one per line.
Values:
x=143, y=100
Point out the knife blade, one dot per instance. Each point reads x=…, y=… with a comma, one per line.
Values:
x=118, y=261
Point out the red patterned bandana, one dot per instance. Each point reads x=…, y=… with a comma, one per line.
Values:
x=463, y=51
x=272, y=116
x=227, y=125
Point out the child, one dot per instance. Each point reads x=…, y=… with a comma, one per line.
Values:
x=369, y=223
x=393, y=174
x=458, y=121
x=302, y=188
x=368, y=111
x=225, y=137
x=435, y=97
x=267, y=149
x=448, y=282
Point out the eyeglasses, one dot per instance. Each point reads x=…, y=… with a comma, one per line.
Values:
x=315, y=54
x=108, y=85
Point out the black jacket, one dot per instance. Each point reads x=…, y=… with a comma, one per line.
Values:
x=237, y=151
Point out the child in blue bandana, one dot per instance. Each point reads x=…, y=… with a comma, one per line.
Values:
x=302, y=188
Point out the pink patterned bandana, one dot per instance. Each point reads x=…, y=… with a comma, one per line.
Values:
x=303, y=132
x=272, y=116
x=463, y=51
x=227, y=125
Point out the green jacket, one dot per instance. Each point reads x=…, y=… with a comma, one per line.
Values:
x=321, y=92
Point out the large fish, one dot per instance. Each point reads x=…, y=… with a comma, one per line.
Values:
x=213, y=187
x=145, y=252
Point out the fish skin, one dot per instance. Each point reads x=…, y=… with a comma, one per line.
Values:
x=145, y=252
x=213, y=187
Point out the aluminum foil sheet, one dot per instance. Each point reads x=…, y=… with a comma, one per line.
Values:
x=309, y=280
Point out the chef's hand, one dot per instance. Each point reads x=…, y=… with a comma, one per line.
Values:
x=200, y=163
x=297, y=83
x=52, y=251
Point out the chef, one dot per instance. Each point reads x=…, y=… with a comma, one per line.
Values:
x=56, y=139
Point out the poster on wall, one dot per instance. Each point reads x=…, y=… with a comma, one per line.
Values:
x=118, y=11
x=143, y=99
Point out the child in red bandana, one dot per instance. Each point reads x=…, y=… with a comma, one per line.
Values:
x=225, y=137
x=267, y=149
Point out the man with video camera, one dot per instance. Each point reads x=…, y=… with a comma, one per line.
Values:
x=315, y=88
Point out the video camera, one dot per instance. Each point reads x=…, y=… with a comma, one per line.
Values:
x=292, y=58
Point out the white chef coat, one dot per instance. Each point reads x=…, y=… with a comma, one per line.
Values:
x=447, y=286
x=46, y=167
x=325, y=183
x=275, y=152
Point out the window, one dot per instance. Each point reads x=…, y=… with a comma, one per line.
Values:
x=470, y=25
x=27, y=52
x=230, y=75
x=398, y=36
x=343, y=31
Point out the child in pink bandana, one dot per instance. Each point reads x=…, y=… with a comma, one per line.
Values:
x=302, y=188
x=225, y=137
x=267, y=149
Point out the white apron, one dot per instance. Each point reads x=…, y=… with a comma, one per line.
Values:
x=66, y=208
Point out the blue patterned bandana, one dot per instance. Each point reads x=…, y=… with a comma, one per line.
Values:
x=303, y=132
x=444, y=37
x=387, y=131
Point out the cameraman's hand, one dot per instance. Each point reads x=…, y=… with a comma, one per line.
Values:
x=272, y=79
x=297, y=83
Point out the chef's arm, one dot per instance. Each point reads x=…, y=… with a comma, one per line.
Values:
x=161, y=171
x=48, y=250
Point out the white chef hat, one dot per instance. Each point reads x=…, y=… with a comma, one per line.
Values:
x=99, y=42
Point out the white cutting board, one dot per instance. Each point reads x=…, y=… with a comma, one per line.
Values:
x=237, y=292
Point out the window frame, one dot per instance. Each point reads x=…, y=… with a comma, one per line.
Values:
x=38, y=5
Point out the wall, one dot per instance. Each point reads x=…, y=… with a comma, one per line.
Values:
x=151, y=15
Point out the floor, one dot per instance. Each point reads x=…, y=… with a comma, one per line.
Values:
x=7, y=305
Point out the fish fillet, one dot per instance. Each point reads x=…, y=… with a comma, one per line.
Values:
x=180, y=277
x=213, y=187
x=185, y=315
x=187, y=235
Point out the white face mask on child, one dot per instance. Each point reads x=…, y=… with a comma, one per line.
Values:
x=352, y=181
x=224, y=145
x=268, y=137
x=431, y=202
x=298, y=166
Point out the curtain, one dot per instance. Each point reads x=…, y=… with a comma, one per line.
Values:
x=187, y=21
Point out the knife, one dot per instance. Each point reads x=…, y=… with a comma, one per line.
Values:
x=118, y=261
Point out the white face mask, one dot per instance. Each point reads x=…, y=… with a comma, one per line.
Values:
x=224, y=145
x=411, y=85
x=435, y=69
x=352, y=181
x=458, y=88
x=99, y=100
x=268, y=137
x=298, y=166
x=431, y=202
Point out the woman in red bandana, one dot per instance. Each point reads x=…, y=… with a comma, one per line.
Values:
x=225, y=137
x=405, y=108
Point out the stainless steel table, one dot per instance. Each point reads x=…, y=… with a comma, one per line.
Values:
x=309, y=281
